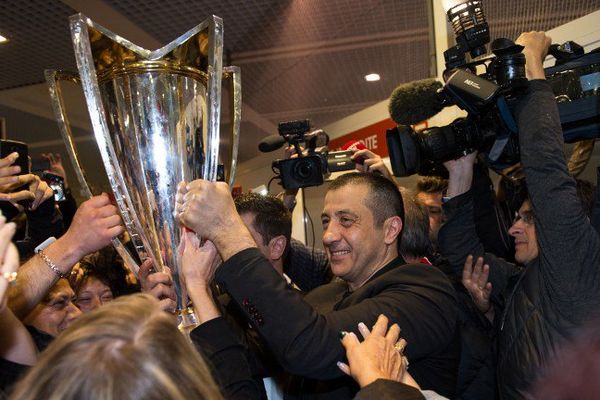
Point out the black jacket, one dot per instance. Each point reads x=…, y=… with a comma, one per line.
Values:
x=543, y=304
x=304, y=333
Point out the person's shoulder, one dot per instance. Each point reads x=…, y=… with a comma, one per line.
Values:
x=421, y=275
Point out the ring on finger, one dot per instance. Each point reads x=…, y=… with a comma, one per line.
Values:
x=11, y=277
x=399, y=346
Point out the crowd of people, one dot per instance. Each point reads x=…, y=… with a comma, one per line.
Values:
x=431, y=292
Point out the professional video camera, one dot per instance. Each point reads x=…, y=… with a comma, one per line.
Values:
x=311, y=166
x=488, y=99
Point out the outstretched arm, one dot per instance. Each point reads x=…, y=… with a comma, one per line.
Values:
x=95, y=224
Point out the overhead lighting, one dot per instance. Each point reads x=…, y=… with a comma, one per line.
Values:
x=372, y=77
x=3, y=39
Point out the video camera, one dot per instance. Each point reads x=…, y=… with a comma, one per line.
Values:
x=489, y=98
x=310, y=168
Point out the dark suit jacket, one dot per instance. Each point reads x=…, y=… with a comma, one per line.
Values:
x=304, y=333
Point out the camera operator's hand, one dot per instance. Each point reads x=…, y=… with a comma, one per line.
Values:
x=208, y=209
x=56, y=166
x=475, y=280
x=460, y=173
x=371, y=163
x=94, y=225
x=289, y=195
x=536, y=48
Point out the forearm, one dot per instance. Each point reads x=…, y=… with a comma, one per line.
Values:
x=458, y=236
x=16, y=344
x=298, y=336
x=36, y=277
x=460, y=179
x=204, y=303
x=233, y=238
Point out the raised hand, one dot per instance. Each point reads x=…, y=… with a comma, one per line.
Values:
x=94, y=225
x=475, y=280
x=158, y=285
x=371, y=163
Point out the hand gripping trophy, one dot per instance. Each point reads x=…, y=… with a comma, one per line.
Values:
x=156, y=118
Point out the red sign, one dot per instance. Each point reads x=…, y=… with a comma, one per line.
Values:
x=372, y=136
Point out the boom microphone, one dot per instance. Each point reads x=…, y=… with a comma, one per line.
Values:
x=415, y=102
x=271, y=143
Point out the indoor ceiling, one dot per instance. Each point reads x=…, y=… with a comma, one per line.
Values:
x=299, y=59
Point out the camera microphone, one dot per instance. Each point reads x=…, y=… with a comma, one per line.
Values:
x=415, y=102
x=271, y=143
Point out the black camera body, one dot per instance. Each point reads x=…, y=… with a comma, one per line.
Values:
x=312, y=168
x=488, y=99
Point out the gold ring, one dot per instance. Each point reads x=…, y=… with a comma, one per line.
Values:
x=399, y=347
x=10, y=277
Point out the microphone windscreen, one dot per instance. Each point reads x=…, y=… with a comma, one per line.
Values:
x=414, y=102
x=271, y=143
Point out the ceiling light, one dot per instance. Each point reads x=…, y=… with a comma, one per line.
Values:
x=3, y=39
x=372, y=77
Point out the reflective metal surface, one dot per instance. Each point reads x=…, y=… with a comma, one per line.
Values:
x=156, y=120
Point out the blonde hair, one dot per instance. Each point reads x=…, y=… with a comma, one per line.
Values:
x=126, y=349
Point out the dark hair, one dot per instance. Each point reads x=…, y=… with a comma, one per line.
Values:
x=415, y=233
x=107, y=266
x=586, y=191
x=384, y=199
x=271, y=217
x=432, y=184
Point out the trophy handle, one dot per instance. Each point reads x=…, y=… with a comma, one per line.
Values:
x=235, y=87
x=58, y=106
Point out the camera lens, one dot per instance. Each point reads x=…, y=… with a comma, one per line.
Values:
x=303, y=169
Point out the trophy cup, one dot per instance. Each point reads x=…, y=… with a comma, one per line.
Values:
x=156, y=118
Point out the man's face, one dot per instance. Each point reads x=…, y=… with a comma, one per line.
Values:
x=433, y=202
x=354, y=244
x=523, y=230
x=56, y=312
x=92, y=294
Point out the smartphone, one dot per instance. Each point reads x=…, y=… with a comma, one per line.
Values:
x=10, y=146
x=57, y=183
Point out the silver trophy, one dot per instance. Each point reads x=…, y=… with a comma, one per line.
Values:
x=156, y=117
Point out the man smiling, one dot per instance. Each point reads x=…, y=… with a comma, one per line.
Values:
x=362, y=221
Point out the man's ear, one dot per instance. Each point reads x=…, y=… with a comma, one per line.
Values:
x=277, y=247
x=392, y=228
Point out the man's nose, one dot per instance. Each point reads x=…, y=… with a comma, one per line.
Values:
x=330, y=235
x=516, y=228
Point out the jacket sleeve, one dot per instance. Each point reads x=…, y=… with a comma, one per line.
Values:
x=307, y=343
x=228, y=357
x=569, y=245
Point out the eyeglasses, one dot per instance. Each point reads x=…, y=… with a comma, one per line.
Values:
x=527, y=216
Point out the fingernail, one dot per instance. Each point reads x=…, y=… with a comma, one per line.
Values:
x=339, y=364
x=361, y=325
x=14, y=155
x=343, y=334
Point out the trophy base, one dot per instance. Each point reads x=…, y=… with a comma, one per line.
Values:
x=186, y=320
